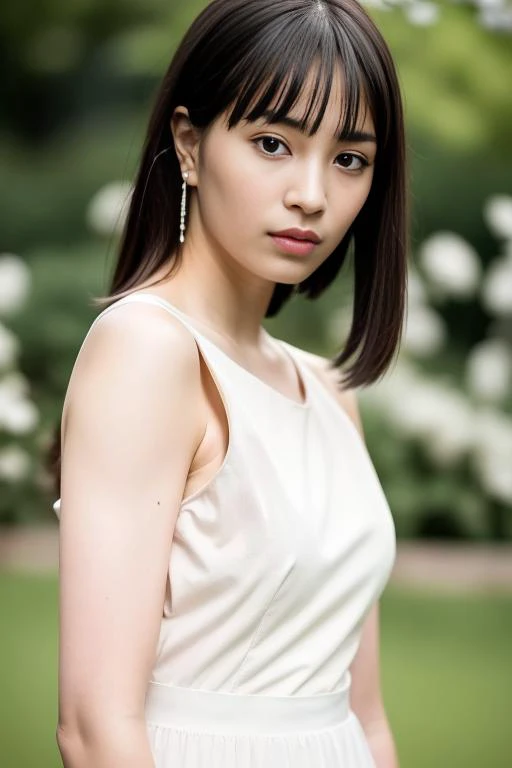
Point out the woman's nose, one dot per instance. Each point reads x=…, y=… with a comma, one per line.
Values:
x=307, y=189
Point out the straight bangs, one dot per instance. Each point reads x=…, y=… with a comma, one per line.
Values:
x=280, y=62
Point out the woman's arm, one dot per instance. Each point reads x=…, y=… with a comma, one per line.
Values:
x=134, y=419
x=366, y=695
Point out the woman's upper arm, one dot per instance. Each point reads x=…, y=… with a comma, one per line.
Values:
x=133, y=424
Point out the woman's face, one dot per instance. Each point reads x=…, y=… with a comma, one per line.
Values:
x=259, y=178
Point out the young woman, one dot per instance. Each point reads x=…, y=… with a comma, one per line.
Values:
x=224, y=538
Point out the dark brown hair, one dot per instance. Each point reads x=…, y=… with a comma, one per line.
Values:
x=253, y=56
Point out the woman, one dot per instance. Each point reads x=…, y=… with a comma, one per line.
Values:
x=224, y=538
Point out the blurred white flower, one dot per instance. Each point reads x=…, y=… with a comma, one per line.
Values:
x=107, y=211
x=14, y=384
x=424, y=331
x=416, y=293
x=395, y=385
x=18, y=415
x=450, y=264
x=497, y=287
x=9, y=347
x=493, y=454
x=496, y=476
x=440, y=417
x=422, y=13
x=14, y=464
x=499, y=18
x=489, y=3
x=9, y=393
x=489, y=370
x=56, y=508
x=448, y=426
x=21, y=417
x=456, y=436
x=15, y=278
x=498, y=215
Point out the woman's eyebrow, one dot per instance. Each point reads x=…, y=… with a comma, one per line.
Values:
x=292, y=123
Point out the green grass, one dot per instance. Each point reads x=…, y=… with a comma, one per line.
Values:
x=28, y=671
x=446, y=674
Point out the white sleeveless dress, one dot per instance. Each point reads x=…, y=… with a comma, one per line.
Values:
x=274, y=565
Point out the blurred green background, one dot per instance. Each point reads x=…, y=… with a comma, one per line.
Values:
x=78, y=79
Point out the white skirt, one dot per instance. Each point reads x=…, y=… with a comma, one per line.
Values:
x=192, y=728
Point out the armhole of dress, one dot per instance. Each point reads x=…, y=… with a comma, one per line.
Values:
x=229, y=421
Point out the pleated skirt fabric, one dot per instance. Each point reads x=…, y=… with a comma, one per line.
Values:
x=192, y=728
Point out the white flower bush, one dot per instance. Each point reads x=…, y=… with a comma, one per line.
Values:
x=461, y=424
x=426, y=410
x=106, y=212
x=498, y=216
x=495, y=15
x=425, y=331
x=449, y=425
x=19, y=416
x=14, y=283
x=489, y=370
x=451, y=265
x=497, y=287
x=492, y=455
x=15, y=464
x=416, y=290
x=421, y=13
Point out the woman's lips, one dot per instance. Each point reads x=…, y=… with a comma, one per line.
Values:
x=293, y=245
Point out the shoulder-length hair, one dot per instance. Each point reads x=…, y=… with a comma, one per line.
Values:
x=250, y=57
x=253, y=56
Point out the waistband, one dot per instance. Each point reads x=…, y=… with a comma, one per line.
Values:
x=227, y=712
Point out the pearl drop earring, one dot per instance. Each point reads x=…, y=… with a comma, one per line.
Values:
x=183, y=206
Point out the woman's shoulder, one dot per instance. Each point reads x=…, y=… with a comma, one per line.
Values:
x=136, y=354
x=135, y=331
x=329, y=377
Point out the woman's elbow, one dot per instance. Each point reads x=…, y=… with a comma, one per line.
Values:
x=111, y=742
x=70, y=746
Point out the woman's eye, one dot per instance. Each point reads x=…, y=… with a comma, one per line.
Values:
x=348, y=159
x=269, y=144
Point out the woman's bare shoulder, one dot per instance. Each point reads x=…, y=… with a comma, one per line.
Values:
x=134, y=349
x=138, y=333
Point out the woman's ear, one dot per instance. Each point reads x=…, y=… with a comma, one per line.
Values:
x=186, y=142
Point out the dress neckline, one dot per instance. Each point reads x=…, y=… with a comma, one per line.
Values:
x=302, y=378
